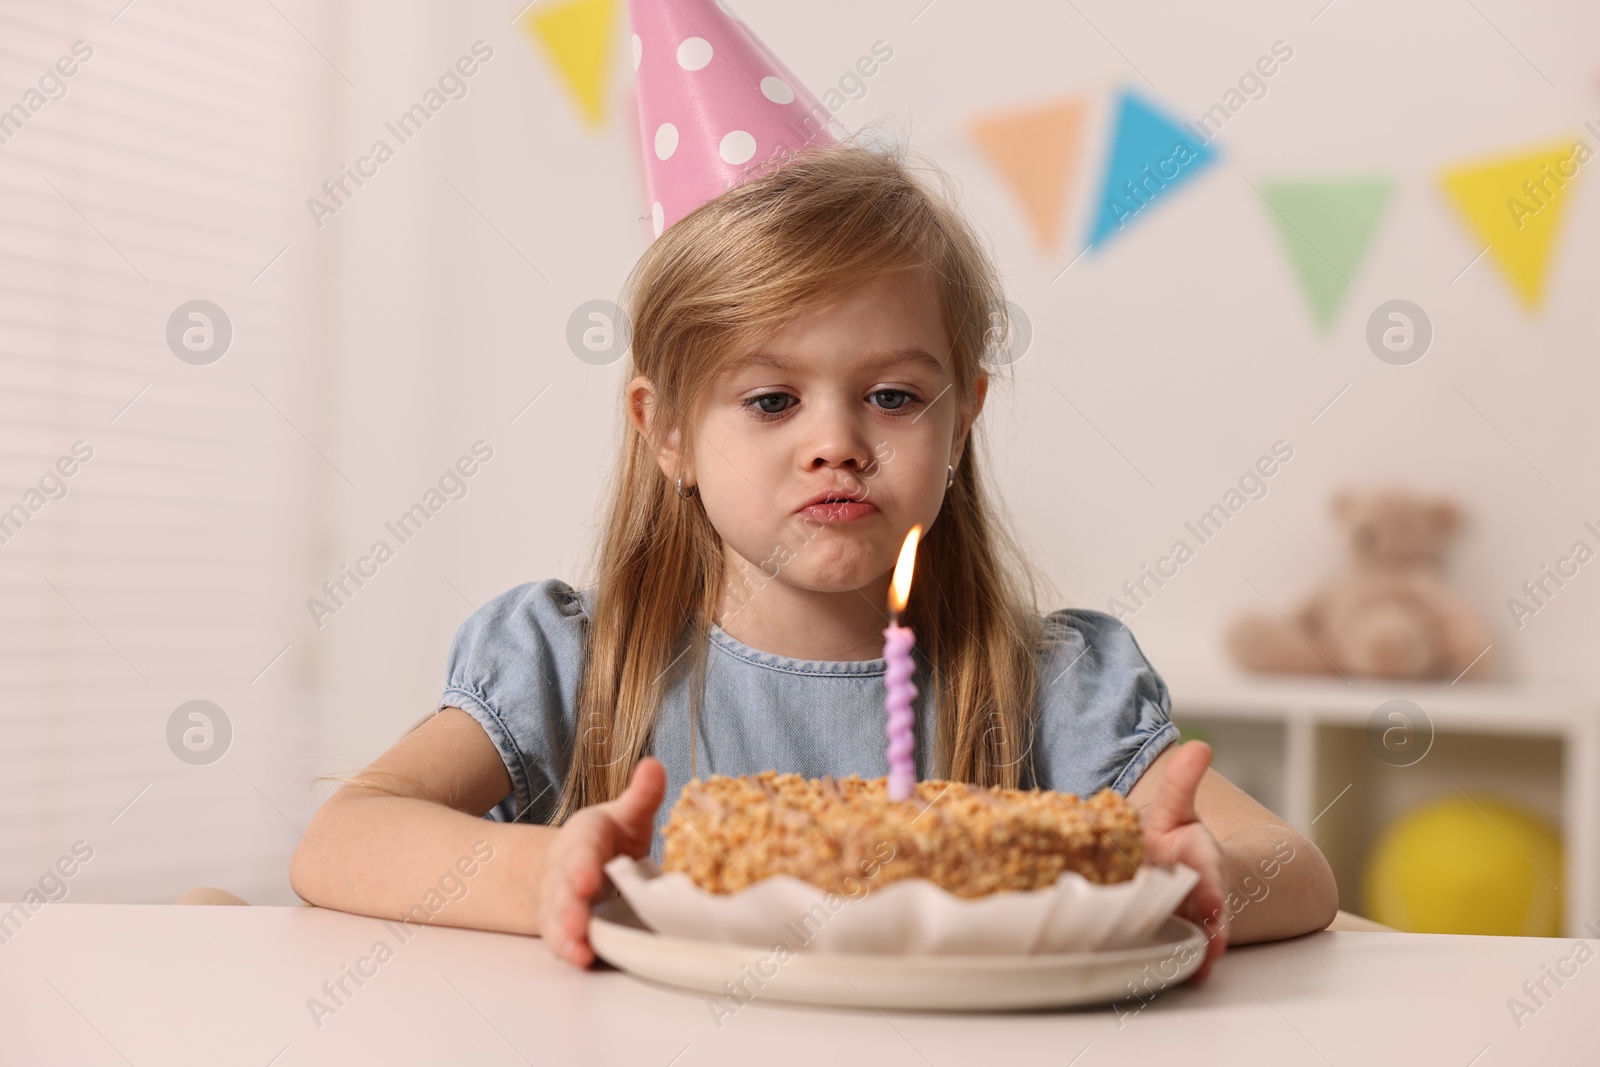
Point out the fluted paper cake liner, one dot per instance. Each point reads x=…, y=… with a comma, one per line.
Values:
x=912, y=916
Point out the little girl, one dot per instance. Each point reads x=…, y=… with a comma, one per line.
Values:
x=807, y=365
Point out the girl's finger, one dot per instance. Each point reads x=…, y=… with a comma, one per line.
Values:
x=588, y=847
x=576, y=924
x=583, y=876
x=551, y=926
x=635, y=809
x=1174, y=803
x=561, y=925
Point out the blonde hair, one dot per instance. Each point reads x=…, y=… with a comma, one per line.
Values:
x=797, y=233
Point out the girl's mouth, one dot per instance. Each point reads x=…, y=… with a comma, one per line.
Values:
x=839, y=510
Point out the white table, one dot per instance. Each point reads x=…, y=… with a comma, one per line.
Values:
x=90, y=984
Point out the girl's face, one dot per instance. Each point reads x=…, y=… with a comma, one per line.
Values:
x=853, y=401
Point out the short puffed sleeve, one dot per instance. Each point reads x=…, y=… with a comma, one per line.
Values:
x=1104, y=712
x=514, y=666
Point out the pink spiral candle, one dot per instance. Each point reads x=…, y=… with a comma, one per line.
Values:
x=897, y=644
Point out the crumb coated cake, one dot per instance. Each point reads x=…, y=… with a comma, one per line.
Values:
x=838, y=833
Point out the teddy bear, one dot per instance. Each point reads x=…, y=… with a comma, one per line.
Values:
x=1389, y=614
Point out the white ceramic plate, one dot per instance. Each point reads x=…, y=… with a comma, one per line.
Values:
x=851, y=980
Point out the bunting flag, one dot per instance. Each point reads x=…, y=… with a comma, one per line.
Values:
x=1150, y=156
x=577, y=37
x=1035, y=150
x=1513, y=206
x=1327, y=226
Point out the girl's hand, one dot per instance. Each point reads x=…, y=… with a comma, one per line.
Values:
x=1174, y=833
x=574, y=866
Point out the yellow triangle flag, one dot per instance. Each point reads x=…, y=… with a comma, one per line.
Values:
x=577, y=37
x=1035, y=149
x=1514, y=206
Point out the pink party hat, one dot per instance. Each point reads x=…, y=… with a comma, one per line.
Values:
x=714, y=102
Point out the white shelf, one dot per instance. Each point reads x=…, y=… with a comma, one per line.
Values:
x=1495, y=707
x=1316, y=728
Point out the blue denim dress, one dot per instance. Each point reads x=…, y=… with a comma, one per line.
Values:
x=514, y=665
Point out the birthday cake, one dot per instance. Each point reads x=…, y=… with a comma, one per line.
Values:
x=842, y=833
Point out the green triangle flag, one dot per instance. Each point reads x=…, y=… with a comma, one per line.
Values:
x=1327, y=226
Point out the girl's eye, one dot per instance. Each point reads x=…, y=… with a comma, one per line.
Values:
x=757, y=405
x=902, y=401
x=774, y=405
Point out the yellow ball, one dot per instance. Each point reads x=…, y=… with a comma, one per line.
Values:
x=1458, y=866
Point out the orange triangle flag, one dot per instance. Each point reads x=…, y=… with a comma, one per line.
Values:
x=1035, y=150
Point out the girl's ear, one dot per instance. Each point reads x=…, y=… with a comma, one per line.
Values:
x=980, y=389
x=641, y=396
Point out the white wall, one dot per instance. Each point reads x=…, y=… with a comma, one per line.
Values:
x=1187, y=343
x=429, y=310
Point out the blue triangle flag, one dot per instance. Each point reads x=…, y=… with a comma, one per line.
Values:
x=1149, y=157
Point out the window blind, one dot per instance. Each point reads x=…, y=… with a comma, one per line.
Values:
x=157, y=505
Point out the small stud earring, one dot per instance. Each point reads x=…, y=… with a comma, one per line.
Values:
x=690, y=493
x=951, y=480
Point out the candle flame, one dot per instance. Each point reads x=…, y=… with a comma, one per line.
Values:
x=900, y=586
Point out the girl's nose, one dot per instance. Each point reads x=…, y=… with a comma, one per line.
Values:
x=839, y=439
